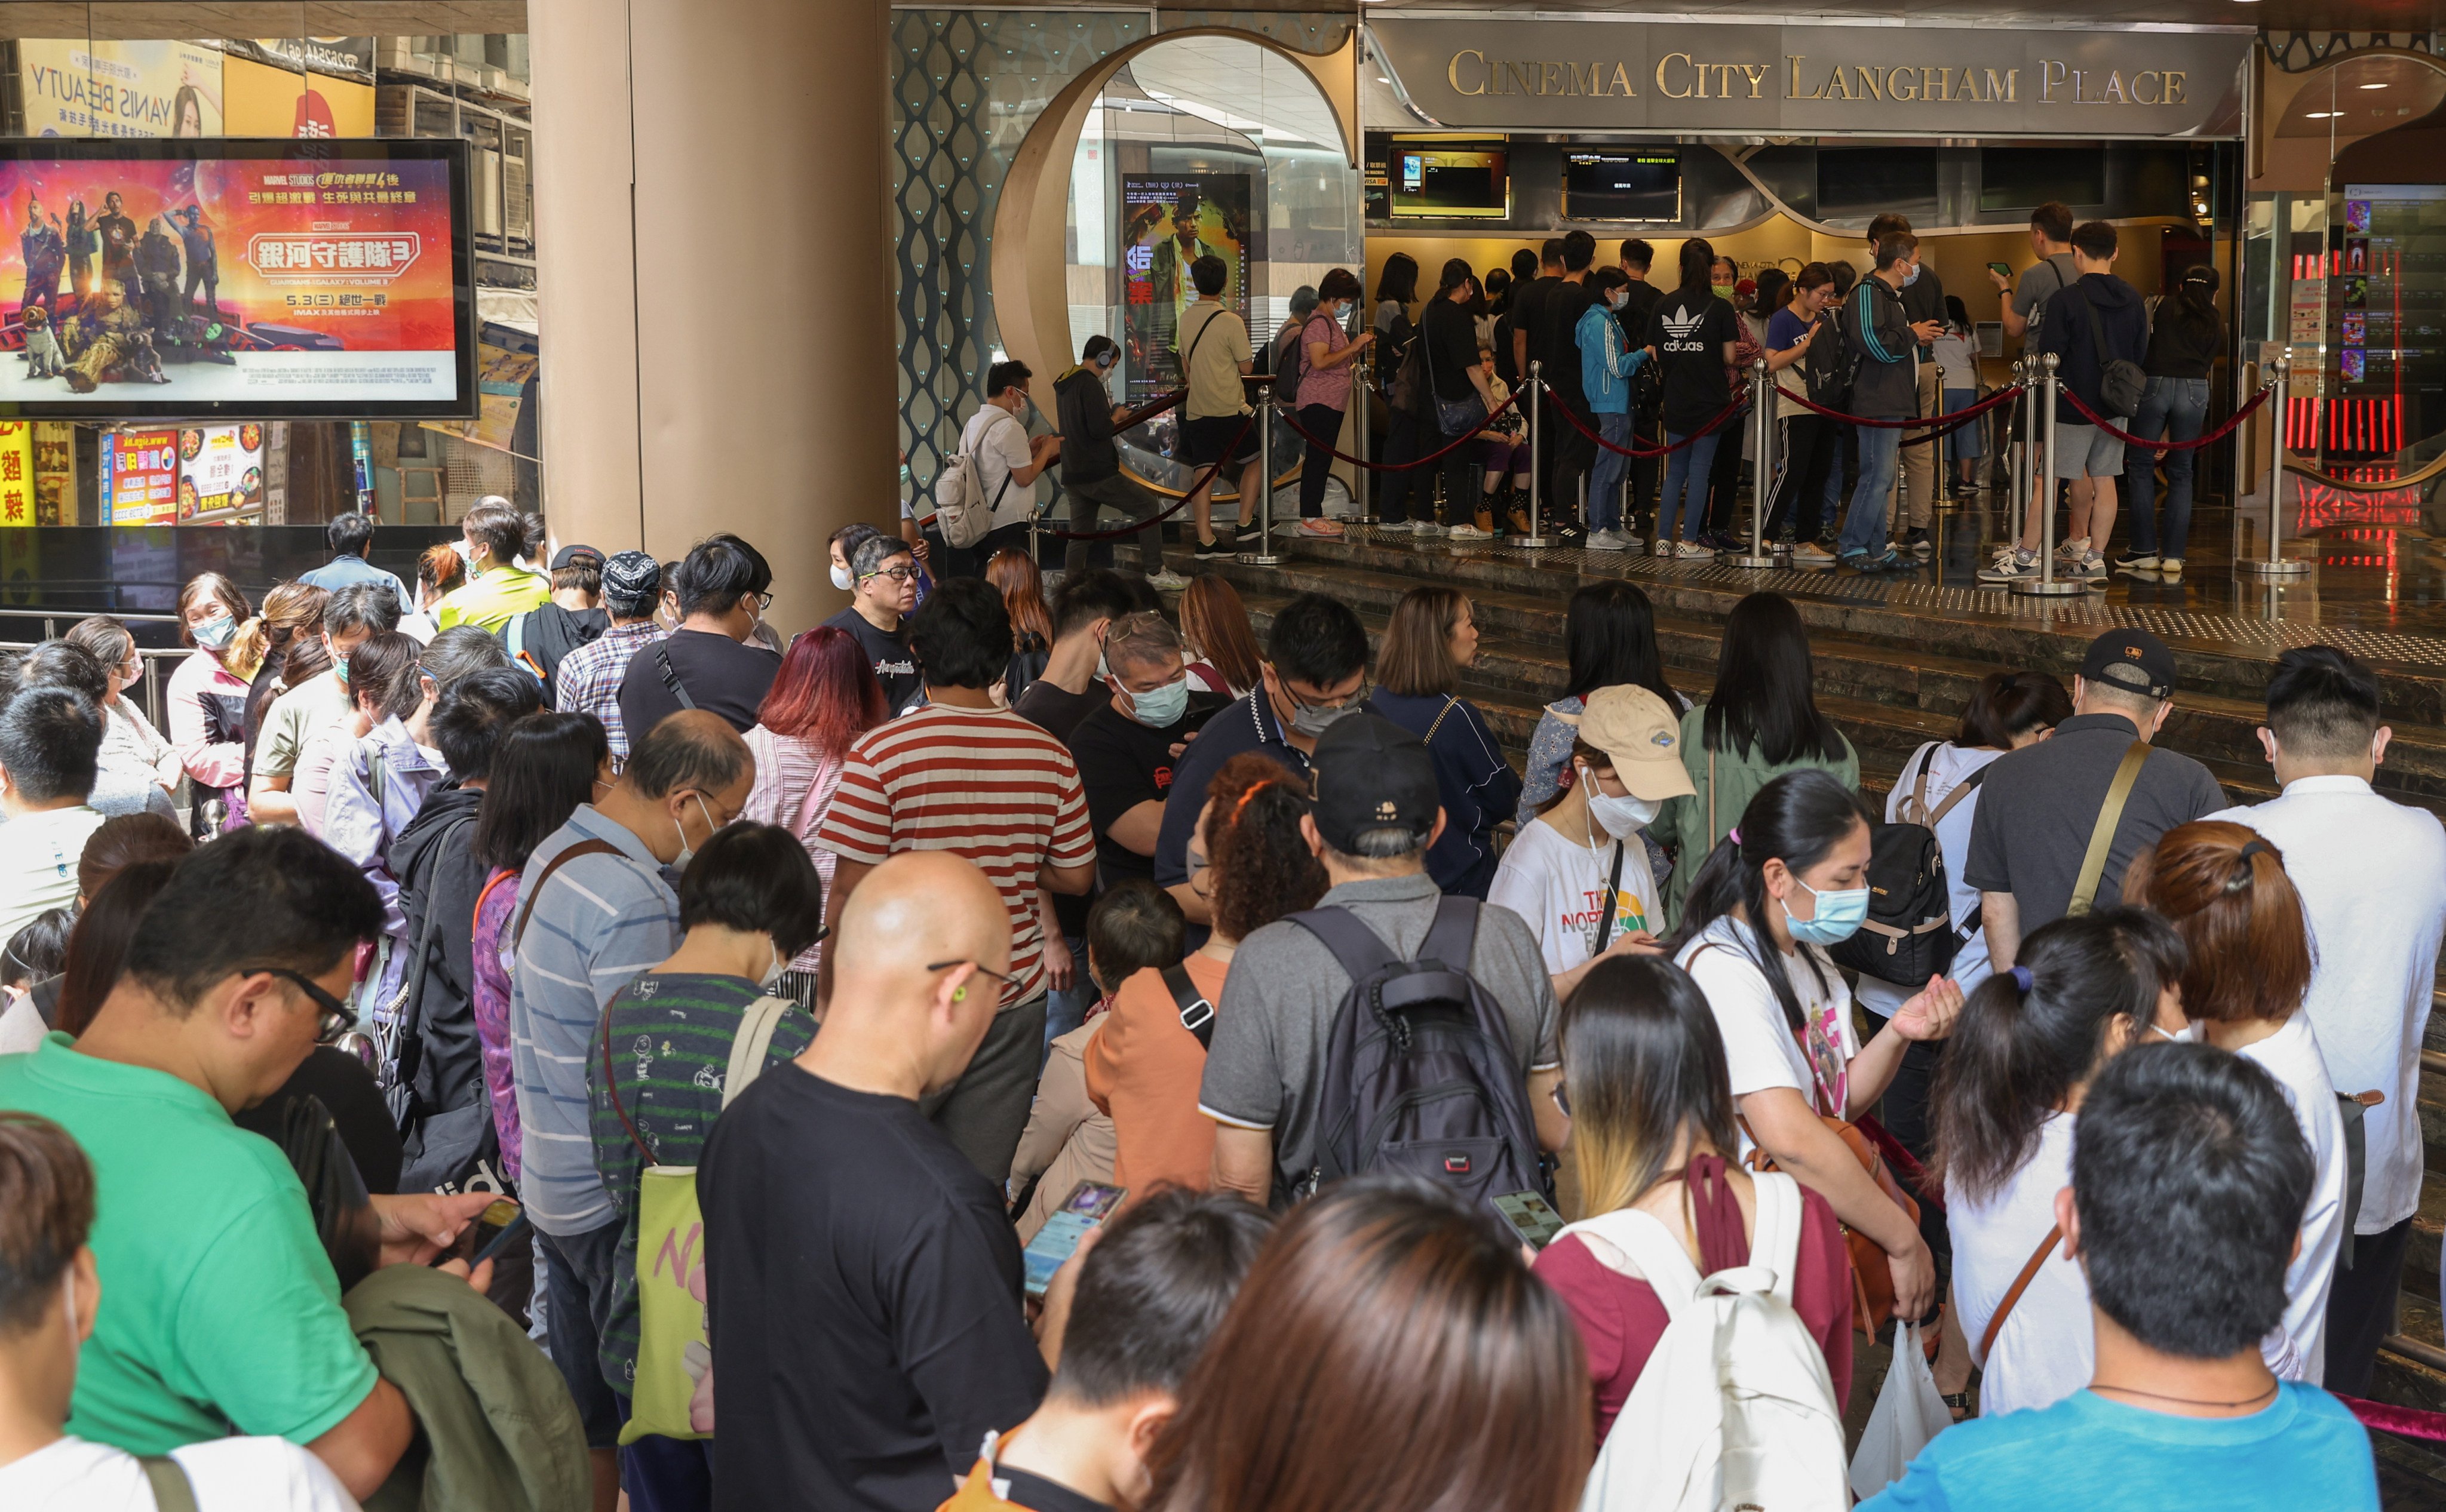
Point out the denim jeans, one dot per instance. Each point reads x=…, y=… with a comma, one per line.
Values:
x=1864, y=528
x=1686, y=485
x=1605, y=479
x=2172, y=408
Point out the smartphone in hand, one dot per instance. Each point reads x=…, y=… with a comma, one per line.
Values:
x=1531, y=1218
x=1088, y=1204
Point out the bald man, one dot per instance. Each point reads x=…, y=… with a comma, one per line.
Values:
x=593, y=913
x=863, y=1280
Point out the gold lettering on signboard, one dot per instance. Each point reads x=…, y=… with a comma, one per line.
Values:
x=1870, y=88
x=1969, y=89
x=1452, y=71
x=1838, y=86
x=2113, y=94
x=1665, y=89
x=1621, y=80
x=1593, y=82
x=2003, y=90
x=2051, y=77
x=1793, y=92
x=1898, y=80
x=1939, y=87
x=1755, y=73
x=1549, y=79
x=1524, y=78
x=2173, y=87
x=2137, y=98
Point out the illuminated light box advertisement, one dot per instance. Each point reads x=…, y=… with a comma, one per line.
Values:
x=139, y=478
x=235, y=279
x=220, y=474
x=1169, y=221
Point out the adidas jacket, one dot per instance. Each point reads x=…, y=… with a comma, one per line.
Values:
x=1885, y=379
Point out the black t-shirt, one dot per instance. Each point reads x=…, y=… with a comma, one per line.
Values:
x=1123, y=764
x=1555, y=341
x=1037, y=1494
x=896, y=668
x=1689, y=334
x=349, y=1094
x=722, y=676
x=1056, y=710
x=865, y=1305
x=1452, y=347
x=1528, y=309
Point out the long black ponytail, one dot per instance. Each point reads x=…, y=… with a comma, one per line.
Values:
x=1799, y=817
x=2029, y=1035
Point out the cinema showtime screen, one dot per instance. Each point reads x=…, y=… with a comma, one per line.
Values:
x=238, y=279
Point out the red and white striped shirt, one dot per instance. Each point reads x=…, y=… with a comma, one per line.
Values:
x=983, y=783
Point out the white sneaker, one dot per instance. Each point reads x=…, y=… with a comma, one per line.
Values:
x=1608, y=541
x=1321, y=530
x=1663, y=546
x=1427, y=527
x=2074, y=550
x=2171, y=566
x=1808, y=554
x=1167, y=580
x=2090, y=566
x=2011, y=566
x=1469, y=532
x=1693, y=551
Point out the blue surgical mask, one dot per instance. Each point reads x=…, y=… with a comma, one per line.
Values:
x=1162, y=708
x=1839, y=915
x=215, y=633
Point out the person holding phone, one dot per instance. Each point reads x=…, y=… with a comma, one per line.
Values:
x=1652, y=1125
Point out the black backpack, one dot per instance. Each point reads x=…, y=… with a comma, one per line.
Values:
x=1909, y=935
x=1420, y=1075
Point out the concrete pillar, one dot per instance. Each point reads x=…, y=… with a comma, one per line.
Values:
x=715, y=277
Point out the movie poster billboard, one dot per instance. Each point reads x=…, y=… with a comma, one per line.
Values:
x=76, y=87
x=1168, y=222
x=235, y=279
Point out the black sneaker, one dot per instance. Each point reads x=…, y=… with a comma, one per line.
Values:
x=1209, y=550
x=1567, y=531
x=1918, y=543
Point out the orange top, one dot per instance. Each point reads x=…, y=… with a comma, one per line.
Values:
x=1143, y=1069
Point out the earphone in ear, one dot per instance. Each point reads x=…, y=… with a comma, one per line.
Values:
x=959, y=995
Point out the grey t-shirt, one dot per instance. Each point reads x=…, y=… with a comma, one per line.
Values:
x=1263, y=1070
x=2039, y=283
x=2039, y=806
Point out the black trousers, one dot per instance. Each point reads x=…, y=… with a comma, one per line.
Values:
x=1643, y=470
x=1576, y=457
x=1408, y=439
x=1807, y=447
x=1316, y=467
x=2360, y=1308
x=1725, y=480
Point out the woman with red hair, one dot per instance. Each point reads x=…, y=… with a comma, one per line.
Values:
x=2225, y=891
x=825, y=697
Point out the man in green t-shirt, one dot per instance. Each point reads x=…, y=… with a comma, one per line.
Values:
x=224, y=1312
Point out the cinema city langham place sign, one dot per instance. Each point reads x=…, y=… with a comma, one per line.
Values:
x=1630, y=75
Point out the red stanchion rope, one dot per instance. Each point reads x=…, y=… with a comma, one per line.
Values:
x=1203, y=478
x=1966, y=420
x=1434, y=456
x=1738, y=406
x=2207, y=438
x=2403, y=1422
x=1965, y=416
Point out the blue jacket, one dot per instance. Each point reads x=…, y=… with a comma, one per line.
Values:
x=1606, y=366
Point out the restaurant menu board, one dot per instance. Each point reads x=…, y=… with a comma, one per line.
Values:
x=17, y=474
x=140, y=476
x=206, y=475
x=241, y=279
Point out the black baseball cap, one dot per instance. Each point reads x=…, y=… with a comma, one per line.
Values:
x=579, y=556
x=2133, y=660
x=1368, y=774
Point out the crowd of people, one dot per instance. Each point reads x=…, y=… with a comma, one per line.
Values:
x=1067, y=1052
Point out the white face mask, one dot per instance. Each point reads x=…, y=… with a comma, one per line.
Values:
x=842, y=578
x=688, y=851
x=772, y=979
x=1620, y=818
x=2191, y=1033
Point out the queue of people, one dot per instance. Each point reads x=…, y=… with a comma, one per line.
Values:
x=1162, y=1038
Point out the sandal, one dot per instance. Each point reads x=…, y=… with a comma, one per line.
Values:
x=1958, y=1403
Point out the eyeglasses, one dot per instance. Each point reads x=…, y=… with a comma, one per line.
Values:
x=337, y=1017
x=1562, y=1102
x=764, y=601
x=898, y=574
x=1003, y=976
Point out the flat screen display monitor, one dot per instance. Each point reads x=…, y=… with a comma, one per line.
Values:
x=1452, y=180
x=1642, y=187
x=235, y=279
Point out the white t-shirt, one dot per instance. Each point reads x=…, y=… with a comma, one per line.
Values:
x=2296, y=1351
x=2045, y=1350
x=227, y=1475
x=996, y=438
x=2372, y=876
x=1558, y=884
x=38, y=864
x=1949, y=767
x=1760, y=1049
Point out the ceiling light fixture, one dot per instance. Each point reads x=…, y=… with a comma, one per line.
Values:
x=2374, y=87
x=2322, y=115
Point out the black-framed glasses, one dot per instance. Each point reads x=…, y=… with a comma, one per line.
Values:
x=336, y=1018
x=1562, y=1100
x=1003, y=976
x=898, y=574
x=764, y=601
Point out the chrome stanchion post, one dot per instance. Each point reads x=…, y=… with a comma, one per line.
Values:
x=1265, y=555
x=2276, y=563
x=1762, y=470
x=1537, y=474
x=2047, y=584
x=1359, y=447
x=2019, y=457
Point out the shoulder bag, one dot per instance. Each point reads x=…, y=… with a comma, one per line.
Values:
x=1196, y=1014
x=2101, y=838
x=1454, y=417
x=2121, y=382
x=2013, y=1293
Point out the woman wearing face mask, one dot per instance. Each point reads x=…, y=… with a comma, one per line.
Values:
x=1430, y=640
x=207, y=698
x=825, y=697
x=1579, y=873
x=1785, y=883
x=1325, y=352
x=2029, y=1041
x=1606, y=368
x=129, y=738
x=659, y=1068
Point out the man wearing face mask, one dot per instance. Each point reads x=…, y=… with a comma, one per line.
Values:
x=589, y=679
x=1128, y=749
x=594, y=909
x=1091, y=463
x=1606, y=364
x=1580, y=873
x=1315, y=674
x=883, y=578
x=1923, y=299
x=705, y=664
x=659, y=1071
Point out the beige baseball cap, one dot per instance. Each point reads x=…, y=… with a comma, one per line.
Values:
x=1643, y=737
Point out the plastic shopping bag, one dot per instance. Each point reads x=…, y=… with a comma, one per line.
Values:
x=1909, y=1411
